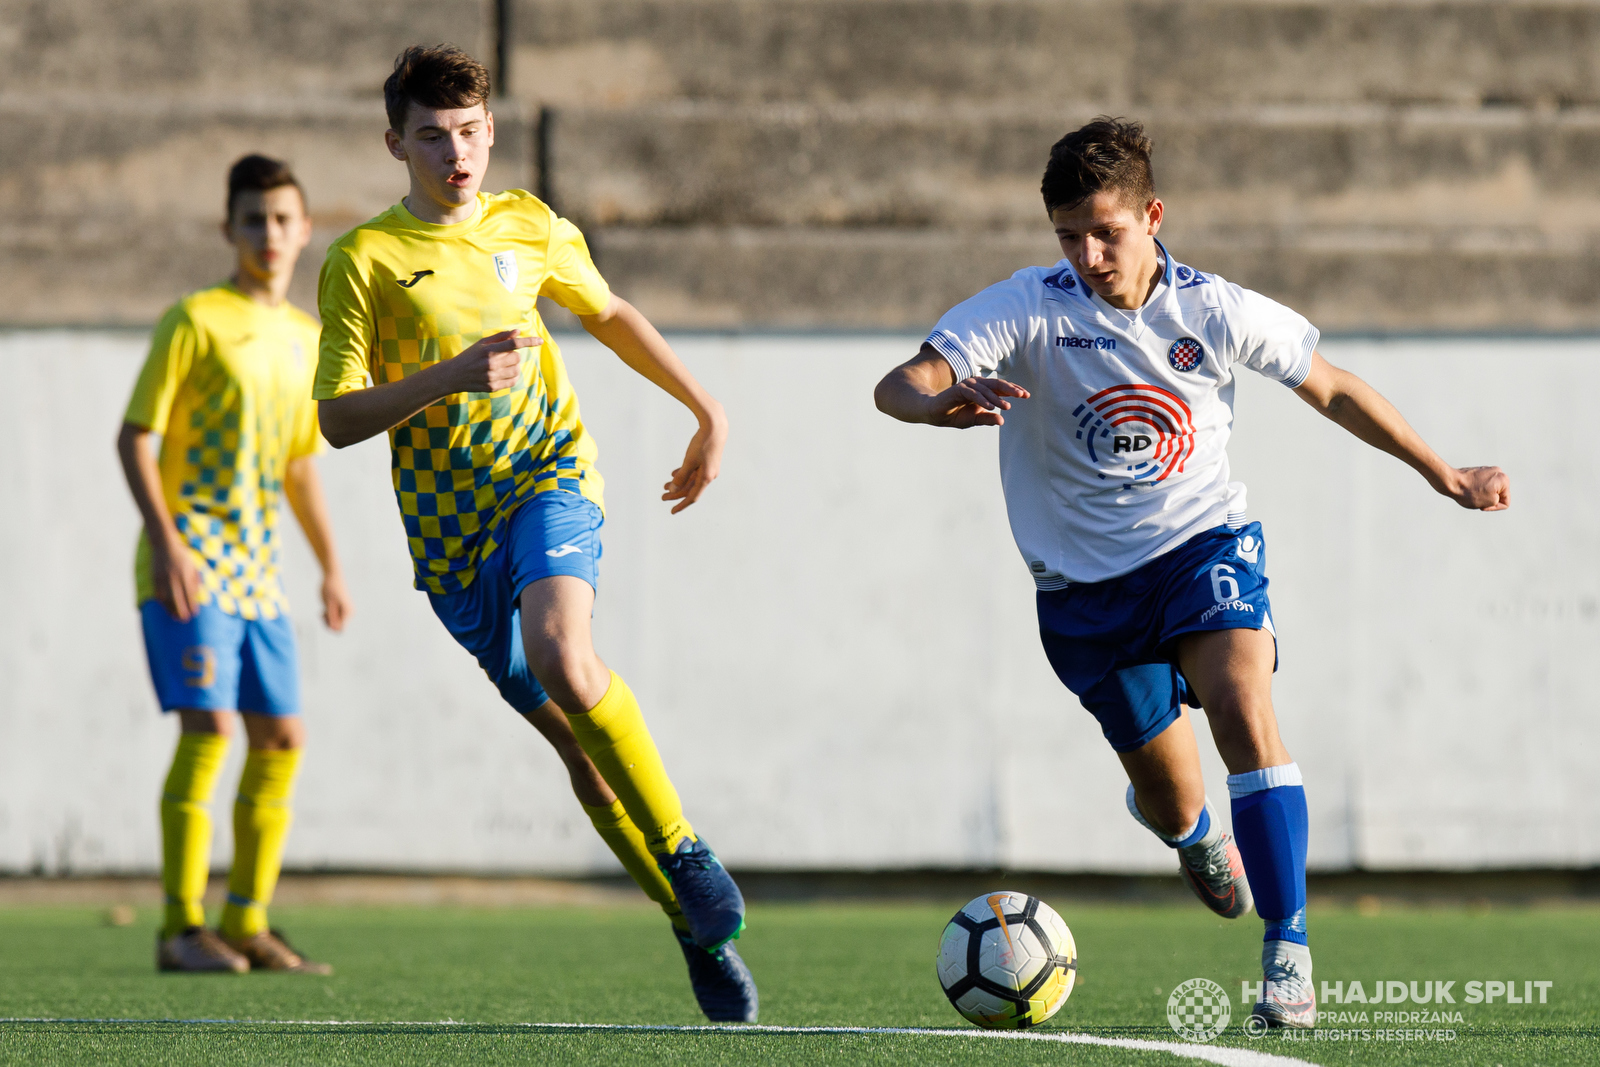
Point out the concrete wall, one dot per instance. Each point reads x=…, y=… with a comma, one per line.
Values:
x=836, y=648
x=842, y=163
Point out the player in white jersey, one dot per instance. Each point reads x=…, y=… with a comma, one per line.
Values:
x=1111, y=377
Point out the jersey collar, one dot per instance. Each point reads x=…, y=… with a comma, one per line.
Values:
x=433, y=229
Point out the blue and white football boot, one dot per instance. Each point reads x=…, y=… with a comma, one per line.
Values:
x=711, y=902
x=722, y=983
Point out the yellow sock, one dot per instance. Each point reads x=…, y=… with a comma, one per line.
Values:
x=627, y=843
x=261, y=818
x=614, y=735
x=186, y=827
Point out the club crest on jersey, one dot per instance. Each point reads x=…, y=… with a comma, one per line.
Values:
x=1136, y=420
x=1185, y=354
x=1063, y=280
x=505, y=267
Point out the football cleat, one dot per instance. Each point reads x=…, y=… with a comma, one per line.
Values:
x=270, y=951
x=711, y=902
x=722, y=983
x=1216, y=874
x=197, y=950
x=1287, y=999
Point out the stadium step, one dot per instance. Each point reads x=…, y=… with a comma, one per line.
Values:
x=125, y=195
x=1104, y=53
x=205, y=51
x=928, y=165
x=850, y=163
x=897, y=279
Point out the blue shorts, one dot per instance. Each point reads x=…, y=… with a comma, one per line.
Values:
x=551, y=533
x=1113, y=643
x=220, y=662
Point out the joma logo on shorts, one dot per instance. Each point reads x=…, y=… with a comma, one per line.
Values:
x=1103, y=343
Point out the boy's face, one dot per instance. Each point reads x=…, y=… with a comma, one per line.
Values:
x=268, y=230
x=1111, y=245
x=446, y=150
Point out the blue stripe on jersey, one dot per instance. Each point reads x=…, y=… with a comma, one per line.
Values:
x=947, y=347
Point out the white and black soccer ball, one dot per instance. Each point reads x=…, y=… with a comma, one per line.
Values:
x=1007, y=961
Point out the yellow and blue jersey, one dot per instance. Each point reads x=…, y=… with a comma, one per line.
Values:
x=227, y=385
x=398, y=294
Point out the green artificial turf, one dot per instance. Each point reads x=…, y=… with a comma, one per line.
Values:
x=818, y=965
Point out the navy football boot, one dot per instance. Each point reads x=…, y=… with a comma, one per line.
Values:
x=711, y=902
x=722, y=983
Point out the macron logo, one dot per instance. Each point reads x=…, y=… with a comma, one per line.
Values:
x=564, y=550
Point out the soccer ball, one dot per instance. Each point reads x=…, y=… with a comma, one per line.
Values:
x=1007, y=961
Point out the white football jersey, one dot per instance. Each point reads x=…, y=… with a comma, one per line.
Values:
x=1120, y=454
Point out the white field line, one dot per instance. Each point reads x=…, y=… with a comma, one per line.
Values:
x=1228, y=1057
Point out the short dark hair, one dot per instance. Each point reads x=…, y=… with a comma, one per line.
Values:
x=442, y=76
x=255, y=172
x=1107, y=154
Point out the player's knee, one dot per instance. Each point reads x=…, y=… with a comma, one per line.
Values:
x=1238, y=711
x=561, y=666
x=204, y=721
x=274, y=733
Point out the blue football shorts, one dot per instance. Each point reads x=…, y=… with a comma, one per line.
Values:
x=1114, y=643
x=220, y=662
x=552, y=533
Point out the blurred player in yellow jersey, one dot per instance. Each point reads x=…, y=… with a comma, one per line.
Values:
x=430, y=333
x=227, y=389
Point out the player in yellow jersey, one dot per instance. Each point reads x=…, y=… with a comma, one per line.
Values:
x=430, y=333
x=227, y=388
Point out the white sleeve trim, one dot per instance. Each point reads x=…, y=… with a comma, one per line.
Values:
x=944, y=342
x=1302, y=365
x=1242, y=785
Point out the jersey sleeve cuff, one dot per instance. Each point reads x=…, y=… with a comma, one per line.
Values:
x=944, y=342
x=1301, y=370
x=336, y=390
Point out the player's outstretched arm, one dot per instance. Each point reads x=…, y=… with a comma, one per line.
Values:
x=176, y=578
x=924, y=389
x=303, y=486
x=1359, y=408
x=624, y=330
x=492, y=364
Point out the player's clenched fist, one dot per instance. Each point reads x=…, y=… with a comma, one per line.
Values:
x=493, y=363
x=1482, y=488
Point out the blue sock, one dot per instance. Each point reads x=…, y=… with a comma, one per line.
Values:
x=1269, y=823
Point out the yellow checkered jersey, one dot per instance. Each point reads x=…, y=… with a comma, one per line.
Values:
x=227, y=385
x=397, y=295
